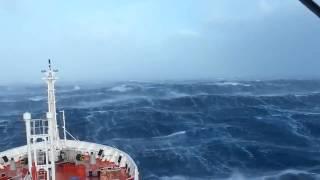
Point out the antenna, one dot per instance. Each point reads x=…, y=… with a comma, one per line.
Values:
x=50, y=70
x=49, y=62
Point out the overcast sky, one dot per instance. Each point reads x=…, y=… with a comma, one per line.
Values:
x=100, y=40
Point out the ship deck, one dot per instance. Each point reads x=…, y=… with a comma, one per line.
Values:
x=85, y=171
x=72, y=171
x=111, y=164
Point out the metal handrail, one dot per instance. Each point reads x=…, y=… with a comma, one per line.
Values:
x=71, y=135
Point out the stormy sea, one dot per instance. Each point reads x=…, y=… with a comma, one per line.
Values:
x=241, y=130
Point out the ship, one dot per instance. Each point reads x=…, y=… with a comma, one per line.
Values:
x=47, y=156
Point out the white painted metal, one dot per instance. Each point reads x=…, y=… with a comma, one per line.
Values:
x=52, y=147
x=64, y=125
x=92, y=158
x=51, y=79
x=12, y=165
x=40, y=143
x=45, y=131
x=27, y=120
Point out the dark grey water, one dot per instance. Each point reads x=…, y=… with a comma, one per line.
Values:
x=188, y=130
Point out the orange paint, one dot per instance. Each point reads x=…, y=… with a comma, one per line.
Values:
x=34, y=171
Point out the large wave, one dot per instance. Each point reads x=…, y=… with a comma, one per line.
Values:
x=188, y=130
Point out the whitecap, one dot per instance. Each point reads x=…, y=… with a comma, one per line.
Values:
x=36, y=98
x=172, y=135
x=121, y=88
x=178, y=177
x=174, y=94
x=227, y=83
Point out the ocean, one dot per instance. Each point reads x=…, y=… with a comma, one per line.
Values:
x=197, y=130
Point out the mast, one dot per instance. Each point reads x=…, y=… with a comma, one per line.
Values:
x=50, y=79
x=43, y=135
